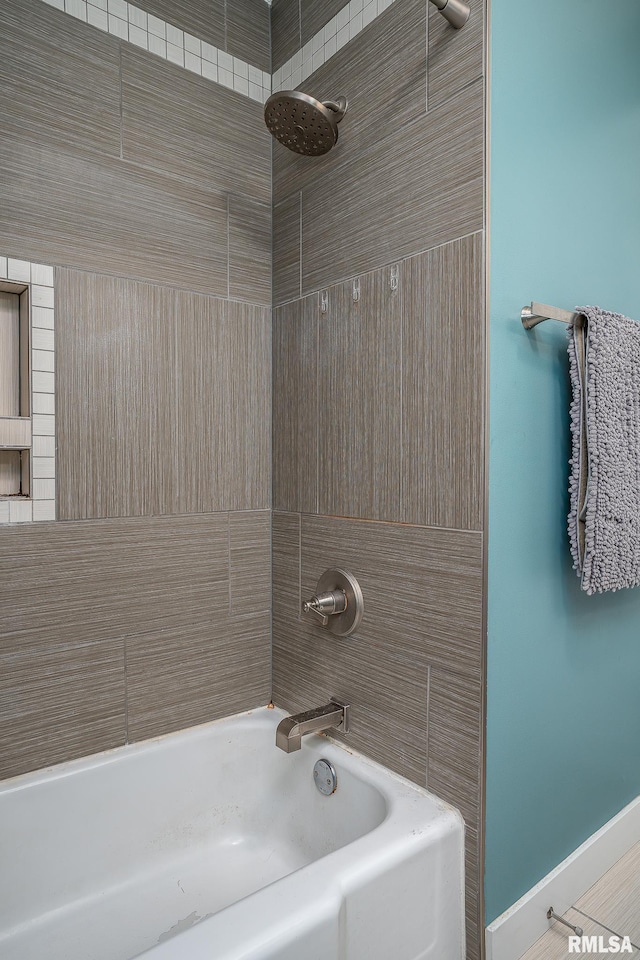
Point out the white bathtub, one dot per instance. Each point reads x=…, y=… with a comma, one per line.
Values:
x=212, y=844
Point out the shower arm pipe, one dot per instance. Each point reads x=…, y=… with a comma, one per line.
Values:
x=338, y=106
x=455, y=11
x=537, y=313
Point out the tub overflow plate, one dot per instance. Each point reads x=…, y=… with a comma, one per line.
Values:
x=325, y=777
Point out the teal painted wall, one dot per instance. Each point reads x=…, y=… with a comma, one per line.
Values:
x=563, y=709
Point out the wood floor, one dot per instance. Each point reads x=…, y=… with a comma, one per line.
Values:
x=611, y=906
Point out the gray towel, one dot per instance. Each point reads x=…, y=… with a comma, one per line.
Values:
x=604, y=488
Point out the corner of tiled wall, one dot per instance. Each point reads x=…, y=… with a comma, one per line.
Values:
x=379, y=365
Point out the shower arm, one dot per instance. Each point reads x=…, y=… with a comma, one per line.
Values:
x=455, y=11
x=338, y=106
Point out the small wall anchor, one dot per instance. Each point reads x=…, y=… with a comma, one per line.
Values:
x=551, y=915
x=337, y=603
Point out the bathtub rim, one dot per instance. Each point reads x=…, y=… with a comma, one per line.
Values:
x=104, y=758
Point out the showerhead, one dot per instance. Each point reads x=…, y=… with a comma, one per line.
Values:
x=302, y=123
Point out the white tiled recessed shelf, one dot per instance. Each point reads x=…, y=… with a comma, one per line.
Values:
x=27, y=400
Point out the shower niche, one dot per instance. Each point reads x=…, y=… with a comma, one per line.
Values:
x=15, y=391
x=27, y=392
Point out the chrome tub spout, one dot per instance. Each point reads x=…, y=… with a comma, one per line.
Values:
x=291, y=730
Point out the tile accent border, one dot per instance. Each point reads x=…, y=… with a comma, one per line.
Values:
x=134, y=25
x=128, y=22
x=41, y=505
x=347, y=24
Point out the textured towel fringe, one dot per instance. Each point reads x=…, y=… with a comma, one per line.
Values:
x=576, y=428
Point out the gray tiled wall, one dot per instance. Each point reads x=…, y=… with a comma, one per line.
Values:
x=423, y=611
x=285, y=31
x=378, y=399
x=175, y=416
x=400, y=179
x=146, y=607
x=382, y=98
x=108, y=623
x=296, y=412
x=452, y=66
x=287, y=219
x=80, y=110
x=115, y=161
x=362, y=427
x=359, y=387
x=314, y=14
x=443, y=386
x=248, y=31
x=190, y=128
x=409, y=192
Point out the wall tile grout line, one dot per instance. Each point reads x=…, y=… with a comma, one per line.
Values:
x=299, y=515
x=317, y=412
x=229, y=562
x=301, y=227
x=382, y=266
x=126, y=690
x=397, y=523
x=372, y=520
x=402, y=347
x=228, y=246
x=426, y=769
x=176, y=385
x=426, y=73
x=121, y=103
x=163, y=285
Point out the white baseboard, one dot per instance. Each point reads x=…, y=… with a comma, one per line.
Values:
x=518, y=928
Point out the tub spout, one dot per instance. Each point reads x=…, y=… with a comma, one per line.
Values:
x=291, y=730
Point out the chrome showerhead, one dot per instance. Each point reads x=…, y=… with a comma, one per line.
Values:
x=302, y=123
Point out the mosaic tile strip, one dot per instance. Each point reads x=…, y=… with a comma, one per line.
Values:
x=136, y=26
x=342, y=28
x=132, y=24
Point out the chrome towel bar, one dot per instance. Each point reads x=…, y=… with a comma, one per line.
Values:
x=537, y=313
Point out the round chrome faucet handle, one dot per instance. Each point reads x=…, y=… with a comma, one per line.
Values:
x=311, y=606
x=337, y=603
x=326, y=605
